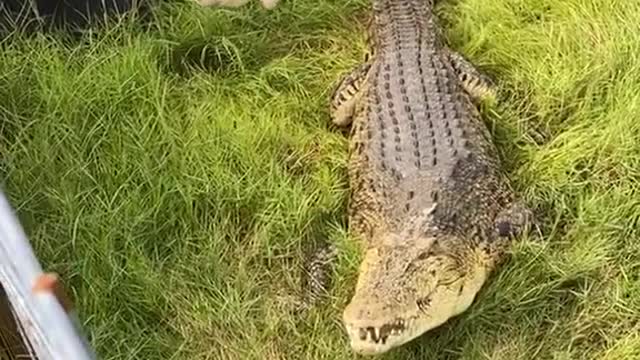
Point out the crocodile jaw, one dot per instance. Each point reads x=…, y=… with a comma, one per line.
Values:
x=384, y=328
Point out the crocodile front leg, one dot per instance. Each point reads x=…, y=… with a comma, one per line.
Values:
x=346, y=95
x=478, y=85
x=514, y=221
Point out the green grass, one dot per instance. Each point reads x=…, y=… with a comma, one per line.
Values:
x=174, y=175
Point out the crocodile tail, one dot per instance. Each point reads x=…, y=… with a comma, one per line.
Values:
x=317, y=275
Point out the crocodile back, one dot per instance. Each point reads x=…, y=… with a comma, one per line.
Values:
x=419, y=141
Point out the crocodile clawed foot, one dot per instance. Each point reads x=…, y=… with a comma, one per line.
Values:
x=345, y=95
x=478, y=85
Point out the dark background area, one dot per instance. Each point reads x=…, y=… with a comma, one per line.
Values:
x=38, y=15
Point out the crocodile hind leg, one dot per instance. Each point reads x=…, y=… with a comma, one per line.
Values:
x=478, y=85
x=345, y=95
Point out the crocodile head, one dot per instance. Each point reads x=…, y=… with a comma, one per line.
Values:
x=407, y=288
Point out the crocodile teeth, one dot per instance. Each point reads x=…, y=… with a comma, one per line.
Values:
x=376, y=334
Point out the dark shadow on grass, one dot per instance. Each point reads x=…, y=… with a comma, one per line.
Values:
x=72, y=18
x=219, y=55
x=246, y=43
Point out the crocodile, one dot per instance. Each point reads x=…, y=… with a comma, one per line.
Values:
x=315, y=278
x=429, y=203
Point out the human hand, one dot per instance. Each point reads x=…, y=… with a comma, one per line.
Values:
x=267, y=4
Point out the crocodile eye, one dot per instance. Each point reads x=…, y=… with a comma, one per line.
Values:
x=426, y=255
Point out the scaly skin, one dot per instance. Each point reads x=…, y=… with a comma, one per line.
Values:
x=316, y=277
x=428, y=201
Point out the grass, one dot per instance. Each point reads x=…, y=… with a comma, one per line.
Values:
x=174, y=174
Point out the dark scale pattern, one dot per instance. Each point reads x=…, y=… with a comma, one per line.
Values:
x=364, y=185
x=421, y=135
x=316, y=278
